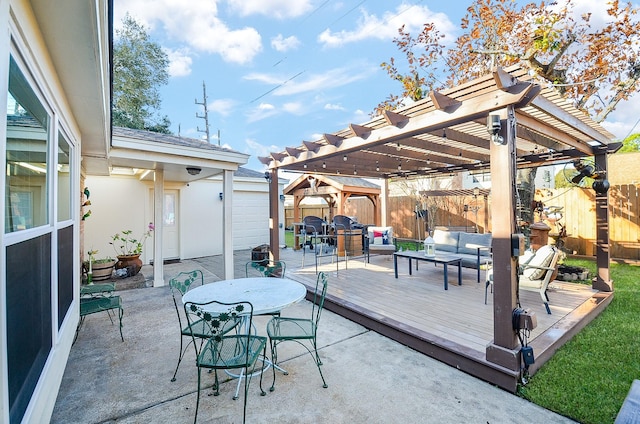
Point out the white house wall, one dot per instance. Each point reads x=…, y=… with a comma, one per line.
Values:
x=117, y=204
x=122, y=203
x=200, y=219
x=19, y=23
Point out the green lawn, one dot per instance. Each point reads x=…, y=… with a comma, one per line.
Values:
x=589, y=377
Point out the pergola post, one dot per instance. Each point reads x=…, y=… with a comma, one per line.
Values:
x=504, y=348
x=603, y=252
x=274, y=221
x=384, y=198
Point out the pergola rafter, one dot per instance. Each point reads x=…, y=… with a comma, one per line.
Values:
x=446, y=132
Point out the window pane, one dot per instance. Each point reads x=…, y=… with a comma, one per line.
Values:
x=64, y=178
x=169, y=210
x=27, y=146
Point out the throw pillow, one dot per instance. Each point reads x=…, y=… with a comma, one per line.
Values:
x=543, y=258
x=380, y=237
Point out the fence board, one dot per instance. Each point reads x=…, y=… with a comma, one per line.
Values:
x=578, y=209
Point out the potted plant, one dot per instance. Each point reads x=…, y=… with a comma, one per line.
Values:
x=98, y=269
x=128, y=249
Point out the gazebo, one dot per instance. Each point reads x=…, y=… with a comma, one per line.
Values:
x=335, y=190
x=500, y=122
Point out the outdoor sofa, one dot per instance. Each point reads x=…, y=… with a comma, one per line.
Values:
x=473, y=248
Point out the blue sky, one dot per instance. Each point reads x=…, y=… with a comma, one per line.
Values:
x=278, y=72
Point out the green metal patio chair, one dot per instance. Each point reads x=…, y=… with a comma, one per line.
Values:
x=179, y=285
x=299, y=330
x=223, y=351
x=265, y=269
x=93, y=305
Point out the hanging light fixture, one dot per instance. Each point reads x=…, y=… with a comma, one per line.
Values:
x=377, y=166
x=324, y=165
x=398, y=146
x=344, y=158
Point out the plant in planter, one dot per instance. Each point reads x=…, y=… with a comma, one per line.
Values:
x=98, y=269
x=128, y=249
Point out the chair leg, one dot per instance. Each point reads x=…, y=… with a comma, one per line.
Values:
x=319, y=363
x=180, y=355
x=274, y=360
x=195, y=418
x=120, y=315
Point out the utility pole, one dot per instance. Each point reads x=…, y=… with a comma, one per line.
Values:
x=206, y=113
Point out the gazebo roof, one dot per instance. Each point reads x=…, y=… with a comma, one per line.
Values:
x=447, y=133
x=326, y=184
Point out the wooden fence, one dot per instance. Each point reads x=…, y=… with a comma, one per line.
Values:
x=405, y=216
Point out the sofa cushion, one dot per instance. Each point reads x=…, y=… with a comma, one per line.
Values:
x=468, y=243
x=380, y=235
x=446, y=241
x=542, y=258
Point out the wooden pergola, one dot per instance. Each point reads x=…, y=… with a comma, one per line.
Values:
x=335, y=190
x=500, y=122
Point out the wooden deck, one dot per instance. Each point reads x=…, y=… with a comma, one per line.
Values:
x=454, y=326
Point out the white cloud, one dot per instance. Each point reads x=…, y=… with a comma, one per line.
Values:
x=179, y=62
x=262, y=111
x=295, y=108
x=222, y=106
x=332, y=78
x=256, y=149
x=195, y=24
x=279, y=9
x=281, y=44
x=330, y=106
x=413, y=17
x=264, y=78
x=623, y=121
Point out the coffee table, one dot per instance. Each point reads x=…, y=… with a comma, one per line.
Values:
x=445, y=260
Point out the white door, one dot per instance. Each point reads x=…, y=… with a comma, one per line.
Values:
x=171, y=234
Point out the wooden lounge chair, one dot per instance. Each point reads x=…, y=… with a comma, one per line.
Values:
x=536, y=272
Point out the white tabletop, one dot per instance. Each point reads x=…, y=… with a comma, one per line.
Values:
x=266, y=294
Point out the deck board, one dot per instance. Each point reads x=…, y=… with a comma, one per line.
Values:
x=419, y=304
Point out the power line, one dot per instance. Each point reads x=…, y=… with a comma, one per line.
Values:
x=277, y=86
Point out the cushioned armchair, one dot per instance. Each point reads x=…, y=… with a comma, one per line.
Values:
x=380, y=241
x=536, y=270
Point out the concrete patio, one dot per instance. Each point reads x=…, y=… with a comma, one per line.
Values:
x=371, y=378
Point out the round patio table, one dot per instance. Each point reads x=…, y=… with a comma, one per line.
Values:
x=266, y=294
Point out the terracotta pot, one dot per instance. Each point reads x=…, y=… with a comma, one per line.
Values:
x=102, y=271
x=132, y=263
